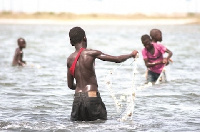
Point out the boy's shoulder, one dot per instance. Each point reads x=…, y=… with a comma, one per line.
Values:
x=144, y=50
x=70, y=56
x=157, y=43
x=160, y=47
x=17, y=50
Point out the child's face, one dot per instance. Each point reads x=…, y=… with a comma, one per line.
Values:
x=22, y=44
x=158, y=36
x=147, y=43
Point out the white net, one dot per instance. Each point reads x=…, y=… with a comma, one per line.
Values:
x=122, y=89
x=123, y=82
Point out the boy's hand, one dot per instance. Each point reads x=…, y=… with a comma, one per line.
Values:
x=166, y=61
x=23, y=64
x=134, y=53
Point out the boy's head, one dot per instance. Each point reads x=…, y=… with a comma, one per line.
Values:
x=21, y=42
x=156, y=35
x=146, y=41
x=76, y=35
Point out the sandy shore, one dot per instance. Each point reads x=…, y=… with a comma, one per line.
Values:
x=101, y=21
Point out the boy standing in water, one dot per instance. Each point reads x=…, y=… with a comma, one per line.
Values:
x=17, y=60
x=87, y=104
x=153, y=54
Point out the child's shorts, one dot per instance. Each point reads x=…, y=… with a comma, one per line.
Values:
x=88, y=106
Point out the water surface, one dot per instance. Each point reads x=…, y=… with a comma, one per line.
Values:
x=36, y=97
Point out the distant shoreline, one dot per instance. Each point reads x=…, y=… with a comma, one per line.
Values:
x=102, y=21
x=69, y=18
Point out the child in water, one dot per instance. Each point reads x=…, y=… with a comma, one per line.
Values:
x=17, y=60
x=81, y=77
x=153, y=54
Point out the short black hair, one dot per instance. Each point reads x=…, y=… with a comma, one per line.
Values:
x=144, y=37
x=76, y=35
x=20, y=39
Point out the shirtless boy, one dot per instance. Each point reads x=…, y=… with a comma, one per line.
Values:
x=17, y=60
x=87, y=104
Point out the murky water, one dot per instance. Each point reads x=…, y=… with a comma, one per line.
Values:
x=36, y=98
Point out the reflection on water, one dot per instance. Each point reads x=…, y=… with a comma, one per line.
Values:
x=36, y=97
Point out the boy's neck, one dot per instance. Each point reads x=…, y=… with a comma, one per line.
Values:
x=79, y=46
x=154, y=41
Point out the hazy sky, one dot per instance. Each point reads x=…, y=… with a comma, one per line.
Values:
x=102, y=6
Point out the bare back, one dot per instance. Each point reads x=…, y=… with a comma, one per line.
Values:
x=84, y=71
x=85, y=75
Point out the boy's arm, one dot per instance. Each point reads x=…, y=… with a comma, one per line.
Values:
x=21, y=63
x=169, y=54
x=18, y=57
x=166, y=60
x=148, y=64
x=117, y=59
x=70, y=78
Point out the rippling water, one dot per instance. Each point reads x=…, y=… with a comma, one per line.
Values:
x=36, y=97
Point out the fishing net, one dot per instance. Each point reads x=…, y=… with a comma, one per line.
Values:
x=124, y=81
x=121, y=84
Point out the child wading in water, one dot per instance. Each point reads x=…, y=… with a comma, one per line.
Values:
x=81, y=77
x=17, y=60
x=153, y=54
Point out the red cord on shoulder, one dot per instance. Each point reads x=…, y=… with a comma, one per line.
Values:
x=73, y=66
